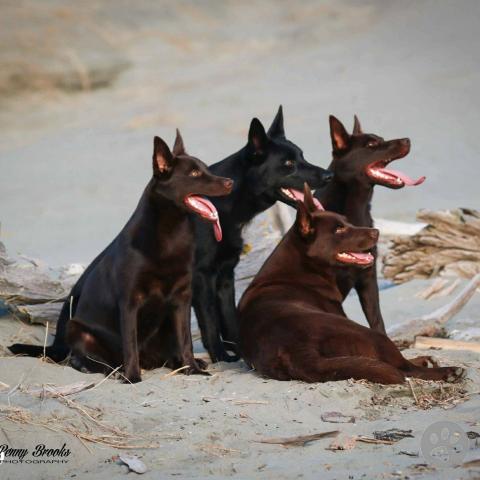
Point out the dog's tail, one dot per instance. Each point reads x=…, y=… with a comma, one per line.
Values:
x=57, y=354
x=59, y=350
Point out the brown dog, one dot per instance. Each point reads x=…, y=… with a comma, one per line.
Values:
x=292, y=324
x=361, y=161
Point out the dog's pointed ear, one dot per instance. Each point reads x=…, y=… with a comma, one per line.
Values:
x=276, y=128
x=162, y=157
x=178, y=147
x=303, y=221
x=308, y=198
x=357, y=128
x=257, y=138
x=340, y=137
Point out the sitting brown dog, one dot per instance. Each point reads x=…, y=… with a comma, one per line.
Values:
x=292, y=325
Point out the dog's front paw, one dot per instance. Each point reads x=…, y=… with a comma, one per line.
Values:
x=197, y=367
x=132, y=379
x=202, y=364
x=132, y=376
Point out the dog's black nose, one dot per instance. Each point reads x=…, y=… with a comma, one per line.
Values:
x=405, y=142
x=228, y=183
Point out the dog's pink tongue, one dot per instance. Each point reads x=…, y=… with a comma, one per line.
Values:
x=363, y=257
x=299, y=196
x=404, y=178
x=217, y=230
x=207, y=210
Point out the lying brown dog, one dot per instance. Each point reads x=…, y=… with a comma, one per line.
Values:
x=292, y=324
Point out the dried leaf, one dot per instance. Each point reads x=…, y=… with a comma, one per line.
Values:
x=56, y=391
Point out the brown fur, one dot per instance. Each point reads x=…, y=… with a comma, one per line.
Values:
x=292, y=324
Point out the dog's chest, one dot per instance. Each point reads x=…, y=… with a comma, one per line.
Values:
x=166, y=283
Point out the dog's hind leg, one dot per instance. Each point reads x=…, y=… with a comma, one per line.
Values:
x=387, y=352
x=88, y=353
x=312, y=368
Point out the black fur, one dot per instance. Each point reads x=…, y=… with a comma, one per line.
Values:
x=268, y=162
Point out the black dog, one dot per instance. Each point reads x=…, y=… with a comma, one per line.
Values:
x=267, y=169
x=134, y=308
x=359, y=163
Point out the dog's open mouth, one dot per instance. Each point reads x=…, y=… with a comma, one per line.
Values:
x=206, y=210
x=378, y=172
x=295, y=195
x=354, y=258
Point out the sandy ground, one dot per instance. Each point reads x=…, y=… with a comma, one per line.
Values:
x=210, y=427
x=73, y=167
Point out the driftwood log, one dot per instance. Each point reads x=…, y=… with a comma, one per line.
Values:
x=445, y=344
x=449, y=245
x=433, y=324
x=33, y=291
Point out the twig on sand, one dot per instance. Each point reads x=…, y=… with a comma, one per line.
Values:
x=365, y=439
x=174, y=372
x=299, y=440
x=45, y=342
x=107, y=377
x=412, y=390
x=105, y=434
x=112, y=371
x=237, y=401
x=58, y=391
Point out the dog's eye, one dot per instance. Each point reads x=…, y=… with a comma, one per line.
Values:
x=195, y=173
x=340, y=229
x=289, y=163
x=372, y=144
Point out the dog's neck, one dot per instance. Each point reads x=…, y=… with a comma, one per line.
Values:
x=289, y=264
x=247, y=205
x=351, y=199
x=156, y=221
x=243, y=204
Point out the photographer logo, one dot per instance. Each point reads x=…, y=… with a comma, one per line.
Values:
x=444, y=444
x=40, y=454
